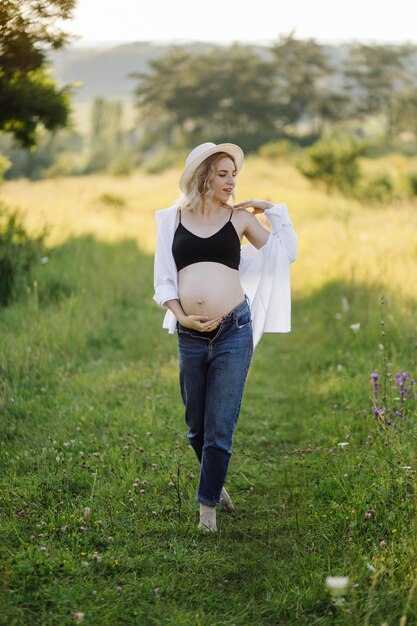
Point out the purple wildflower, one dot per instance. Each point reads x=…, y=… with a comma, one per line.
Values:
x=375, y=377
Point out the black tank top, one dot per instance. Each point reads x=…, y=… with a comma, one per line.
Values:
x=222, y=247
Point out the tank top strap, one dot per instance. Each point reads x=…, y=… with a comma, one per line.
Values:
x=179, y=213
x=231, y=213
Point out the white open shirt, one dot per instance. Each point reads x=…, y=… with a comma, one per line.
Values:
x=264, y=273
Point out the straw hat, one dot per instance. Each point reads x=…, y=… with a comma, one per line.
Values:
x=204, y=150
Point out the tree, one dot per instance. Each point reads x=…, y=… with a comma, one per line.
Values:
x=107, y=144
x=301, y=73
x=28, y=95
x=223, y=93
x=405, y=112
x=375, y=77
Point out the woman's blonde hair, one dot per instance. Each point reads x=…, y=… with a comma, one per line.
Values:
x=200, y=187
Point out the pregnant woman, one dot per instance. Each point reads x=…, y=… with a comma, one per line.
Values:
x=220, y=298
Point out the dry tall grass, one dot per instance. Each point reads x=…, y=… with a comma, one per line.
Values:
x=339, y=237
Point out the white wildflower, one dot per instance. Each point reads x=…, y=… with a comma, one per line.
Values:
x=337, y=585
x=355, y=327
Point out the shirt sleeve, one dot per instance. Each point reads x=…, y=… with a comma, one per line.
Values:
x=165, y=282
x=283, y=228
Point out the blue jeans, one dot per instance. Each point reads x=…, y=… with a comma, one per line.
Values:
x=213, y=370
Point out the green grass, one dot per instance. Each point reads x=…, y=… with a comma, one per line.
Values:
x=90, y=415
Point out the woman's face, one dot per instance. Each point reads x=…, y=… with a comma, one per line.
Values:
x=224, y=180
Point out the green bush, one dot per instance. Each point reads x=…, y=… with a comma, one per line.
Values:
x=5, y=164
x=19, y=252
x=334, y=163
x=412, y=183
x=379, y=188
x=123, y=165
x=65, y=164
x=111, y=200
x=163, y=160
x=276, y=149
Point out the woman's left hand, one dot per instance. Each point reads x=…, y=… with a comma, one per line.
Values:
x=258, y=206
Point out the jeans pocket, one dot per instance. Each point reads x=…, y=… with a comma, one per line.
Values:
x=244, y=318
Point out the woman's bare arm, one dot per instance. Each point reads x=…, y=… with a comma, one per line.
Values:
x=253, y=230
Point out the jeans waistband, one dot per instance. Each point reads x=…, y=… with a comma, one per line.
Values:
x=234, y=313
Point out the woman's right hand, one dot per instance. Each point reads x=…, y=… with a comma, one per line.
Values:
x=200, y=322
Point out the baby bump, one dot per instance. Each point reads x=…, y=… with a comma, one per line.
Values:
x=209, y=288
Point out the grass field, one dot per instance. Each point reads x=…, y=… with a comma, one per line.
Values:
x=98, y=518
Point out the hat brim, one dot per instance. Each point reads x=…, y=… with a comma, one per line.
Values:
x=235, y=151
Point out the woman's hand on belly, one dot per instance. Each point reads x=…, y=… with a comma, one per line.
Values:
x=200, y=322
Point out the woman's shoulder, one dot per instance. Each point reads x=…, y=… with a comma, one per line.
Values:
x=242, y=216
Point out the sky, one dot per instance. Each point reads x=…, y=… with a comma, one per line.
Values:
x=327, y=21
